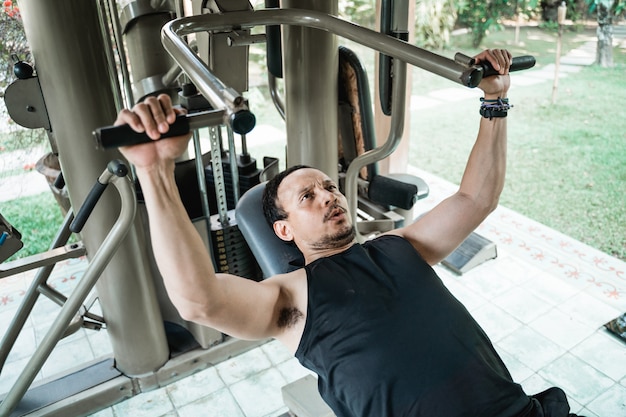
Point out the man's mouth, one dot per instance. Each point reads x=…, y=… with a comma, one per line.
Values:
x=334, y=212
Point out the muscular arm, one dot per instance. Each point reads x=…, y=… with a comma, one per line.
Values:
x=441, y=230
x=234, y=305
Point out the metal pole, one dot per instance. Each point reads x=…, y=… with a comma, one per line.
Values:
x=398, y=97
x=80, y=293
x=557, y=65
x=310, y=68
x=66, y=41
x=411, y=54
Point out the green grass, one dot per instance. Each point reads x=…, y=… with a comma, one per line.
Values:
x=566, y=162
x=37, y=218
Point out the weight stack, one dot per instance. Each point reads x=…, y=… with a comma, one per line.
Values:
x=231, y=252
x=249, y=176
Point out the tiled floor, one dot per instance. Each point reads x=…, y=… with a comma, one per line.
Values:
x=543, y=301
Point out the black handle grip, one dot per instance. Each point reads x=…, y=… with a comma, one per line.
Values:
x=116, y=136
x=85, y=210
x=518, y=63
x=274, y=46
x=116, y=167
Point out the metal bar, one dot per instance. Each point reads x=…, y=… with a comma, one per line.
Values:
x=204, y=194
x=218, y=175
x=276, y=98
x=121, y=52
x=220, y=96
x=395, y=135
x=115, y=82
x=80, y=293
x=52, y=294
x=50, y=257
x=232, y=157
x=31, y=295
x=202, y=187
x=236, y=39
x=200, y=74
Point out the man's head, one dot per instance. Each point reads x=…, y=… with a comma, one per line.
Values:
x=271, y=208
x=304, y=205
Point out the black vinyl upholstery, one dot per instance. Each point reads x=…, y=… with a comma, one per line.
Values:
x=273, y=255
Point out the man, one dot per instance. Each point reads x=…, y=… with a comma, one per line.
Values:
x=374, y=321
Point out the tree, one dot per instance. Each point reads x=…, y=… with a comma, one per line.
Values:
x=606, y=10
x=434, y=22
x=13, y=41
x=13, y=47
x=482, y=15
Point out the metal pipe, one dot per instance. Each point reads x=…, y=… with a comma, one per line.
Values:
x=31, y=295
x=310, y=64
x=121, y=53
x=232, y=158
x=80, y=292
x=141, y=23
x=395, y=136
x=276, y=98
x=201, y=176
x=388, y=45
x=68, y=48
x=115, y=82
x=220, y=96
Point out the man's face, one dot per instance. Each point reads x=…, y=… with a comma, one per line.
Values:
x=317, y=213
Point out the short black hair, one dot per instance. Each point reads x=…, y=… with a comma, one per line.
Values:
x=271, y=209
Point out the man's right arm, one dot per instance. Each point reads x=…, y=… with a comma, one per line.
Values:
x=237, y=306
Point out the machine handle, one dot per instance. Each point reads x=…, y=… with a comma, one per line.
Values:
x=517, y=64
x=123, y=135
x=485, y=69
x=242, y=122
x=115, y=167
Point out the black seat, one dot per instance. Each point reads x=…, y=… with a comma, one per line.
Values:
x=273, y=255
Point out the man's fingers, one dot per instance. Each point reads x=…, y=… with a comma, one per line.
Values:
x=155, y=113
x=500, y=59
x=130, y=118
x=168, y=109
x=158, y=115
x=152, y=116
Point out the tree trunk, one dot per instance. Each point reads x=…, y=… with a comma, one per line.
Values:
x=604, y=49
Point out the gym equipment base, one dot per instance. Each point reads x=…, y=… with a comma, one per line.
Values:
x=304, y=400
x=617, y=327
x=474, y=250
x=99, y=385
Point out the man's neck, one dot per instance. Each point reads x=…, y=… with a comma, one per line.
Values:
x=315, y=254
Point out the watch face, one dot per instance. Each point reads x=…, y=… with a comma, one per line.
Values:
x=617, y=326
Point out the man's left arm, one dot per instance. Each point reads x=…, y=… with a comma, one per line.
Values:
x=439, y=232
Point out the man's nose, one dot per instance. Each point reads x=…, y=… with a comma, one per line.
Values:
x=328, y=197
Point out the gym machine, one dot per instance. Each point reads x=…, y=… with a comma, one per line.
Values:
x=83, y=63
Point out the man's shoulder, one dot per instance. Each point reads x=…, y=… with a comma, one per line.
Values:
x=388, y=238
x=289, y=281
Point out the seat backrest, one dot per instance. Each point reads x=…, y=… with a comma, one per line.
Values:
x=274, y=255
x=356, y=119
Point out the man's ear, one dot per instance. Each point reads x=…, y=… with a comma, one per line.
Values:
x=282, y=230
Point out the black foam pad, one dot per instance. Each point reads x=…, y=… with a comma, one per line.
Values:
x=273, y=255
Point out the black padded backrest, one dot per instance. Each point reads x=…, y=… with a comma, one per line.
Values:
x=354, y=91
x=273, y=255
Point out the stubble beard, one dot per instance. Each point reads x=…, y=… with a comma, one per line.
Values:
x=342, y=238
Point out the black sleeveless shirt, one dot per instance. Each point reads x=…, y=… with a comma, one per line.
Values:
x=387, y=339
